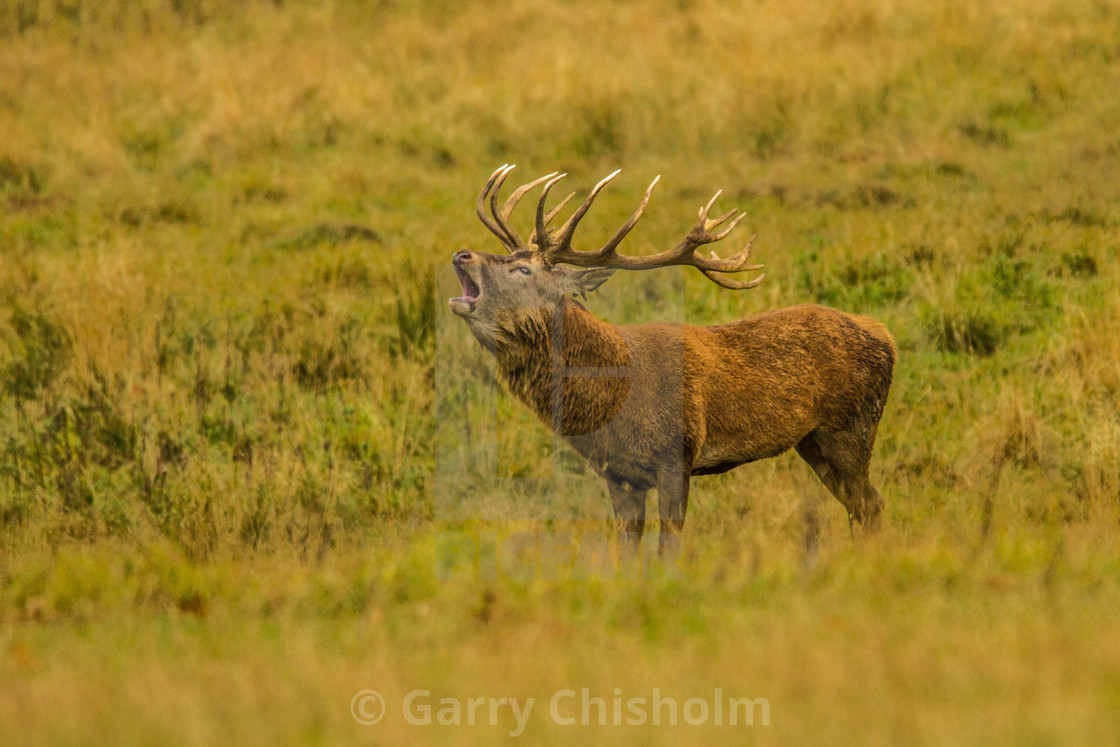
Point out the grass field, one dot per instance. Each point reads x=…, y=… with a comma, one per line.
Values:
x=233, y=399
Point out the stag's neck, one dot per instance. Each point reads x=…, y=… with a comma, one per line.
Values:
x=554, y=342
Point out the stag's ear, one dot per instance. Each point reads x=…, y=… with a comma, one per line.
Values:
x=585, y=281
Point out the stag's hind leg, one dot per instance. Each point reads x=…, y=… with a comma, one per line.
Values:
x=841, y=459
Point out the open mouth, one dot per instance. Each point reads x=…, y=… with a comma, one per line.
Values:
x=471, y=291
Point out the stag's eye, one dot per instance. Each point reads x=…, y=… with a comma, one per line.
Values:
x=524, y=270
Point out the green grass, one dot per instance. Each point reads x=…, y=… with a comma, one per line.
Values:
x=243, y=443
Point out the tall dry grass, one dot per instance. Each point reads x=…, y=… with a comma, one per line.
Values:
x=226, y=363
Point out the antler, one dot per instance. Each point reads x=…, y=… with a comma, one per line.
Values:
x=499, y=223
x=554, y=245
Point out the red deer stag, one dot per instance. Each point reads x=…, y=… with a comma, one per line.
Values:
x=650, y=405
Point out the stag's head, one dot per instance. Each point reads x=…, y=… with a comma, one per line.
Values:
x=505, y=293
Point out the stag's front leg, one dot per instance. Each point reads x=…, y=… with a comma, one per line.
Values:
x=672, y=503
x=629, y=516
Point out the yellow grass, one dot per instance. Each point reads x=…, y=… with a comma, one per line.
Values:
x=246, y=453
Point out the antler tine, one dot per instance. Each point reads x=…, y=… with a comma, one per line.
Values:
x=564, y=239
x=512, y=241
x=704, y=210
x=511, y=202
x=730, y=228
x=731, y=283
x=540, y=233
x=560, y=206
x=620, y=234
x=739, y=260
x=481, y=210
x=518, y=193
x=548, y=218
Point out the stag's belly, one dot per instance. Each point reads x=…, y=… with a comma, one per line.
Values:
x=718, y=468
x=715, y=461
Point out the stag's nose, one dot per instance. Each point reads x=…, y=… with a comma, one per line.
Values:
x=461, y=257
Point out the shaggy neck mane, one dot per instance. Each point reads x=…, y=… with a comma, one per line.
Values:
x=526, y=365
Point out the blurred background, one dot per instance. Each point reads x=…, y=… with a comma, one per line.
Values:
x=224, y=234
